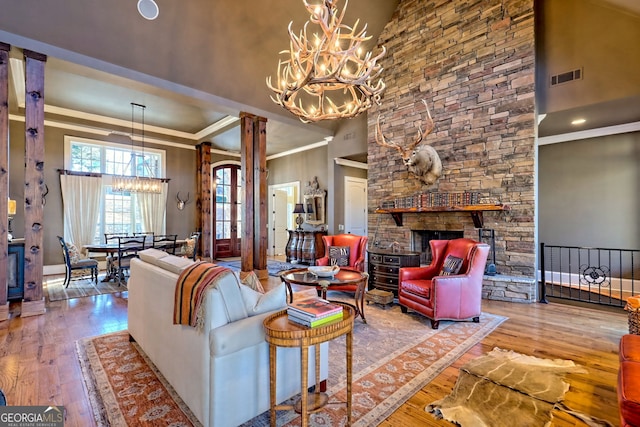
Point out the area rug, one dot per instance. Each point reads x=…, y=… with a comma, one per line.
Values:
x=79, y=288
x=502, y=386
x=125, y=388
x=394, y=355
x=273, y=267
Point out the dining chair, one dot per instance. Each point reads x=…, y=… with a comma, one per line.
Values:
x=148, y=235
x=165, y=242
x=128, y=248
x=73, y=262
x=112, y=258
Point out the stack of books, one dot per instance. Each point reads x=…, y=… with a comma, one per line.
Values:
x=314, y=312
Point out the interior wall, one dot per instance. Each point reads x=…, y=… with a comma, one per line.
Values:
x=180, y=168
x=591, y=35
x=302, y=166
x=590, y=192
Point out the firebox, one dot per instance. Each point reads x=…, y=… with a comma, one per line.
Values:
x=420, y=241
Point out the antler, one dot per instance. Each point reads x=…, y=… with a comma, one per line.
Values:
x=426, y=131
x=380, y=139
x=180, y=200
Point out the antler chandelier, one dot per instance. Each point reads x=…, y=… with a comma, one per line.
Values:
x=327, y=76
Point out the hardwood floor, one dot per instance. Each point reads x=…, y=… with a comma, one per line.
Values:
x=38, y=363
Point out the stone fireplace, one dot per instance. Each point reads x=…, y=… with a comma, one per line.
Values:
x=481, y=96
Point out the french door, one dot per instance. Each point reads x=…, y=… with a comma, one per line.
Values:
x=228, y=210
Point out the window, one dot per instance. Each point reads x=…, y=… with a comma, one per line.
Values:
x=118, y=212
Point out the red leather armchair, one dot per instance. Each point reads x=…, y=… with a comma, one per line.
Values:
x=451, y=297
x=357, y=248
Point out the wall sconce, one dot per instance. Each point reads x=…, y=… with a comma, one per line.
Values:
x=11, y=211
x=299, y=209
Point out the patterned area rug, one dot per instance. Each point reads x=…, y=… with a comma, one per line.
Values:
x=79, y=288
x=394, y=355
x=124, y=387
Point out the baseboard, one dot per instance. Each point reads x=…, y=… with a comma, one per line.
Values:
x=52, y=270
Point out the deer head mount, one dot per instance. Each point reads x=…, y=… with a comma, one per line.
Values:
x=423, y=161
x=182, y=203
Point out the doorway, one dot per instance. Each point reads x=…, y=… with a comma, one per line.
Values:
x=355, y=205
x=282, y=199
x=227, y=206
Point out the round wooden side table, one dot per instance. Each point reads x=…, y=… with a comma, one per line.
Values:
x=280, y=332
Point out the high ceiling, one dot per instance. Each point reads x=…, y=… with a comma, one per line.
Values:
x=195, y=67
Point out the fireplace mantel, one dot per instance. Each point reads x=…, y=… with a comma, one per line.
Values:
x=474, y=210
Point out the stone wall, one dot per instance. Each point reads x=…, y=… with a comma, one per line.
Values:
x=473, y=62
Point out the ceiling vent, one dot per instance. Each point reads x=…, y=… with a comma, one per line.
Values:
x=566, y=77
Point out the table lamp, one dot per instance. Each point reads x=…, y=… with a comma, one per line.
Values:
x=12, y=211
x=299, y=209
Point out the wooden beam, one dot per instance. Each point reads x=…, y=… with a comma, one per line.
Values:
x=260, y=202
x=33, y=302
x=247, y=161
x=4, y=177
x=203, y=202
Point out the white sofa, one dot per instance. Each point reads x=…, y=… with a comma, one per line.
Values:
x=222, y=371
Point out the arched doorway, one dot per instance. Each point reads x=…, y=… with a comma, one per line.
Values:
x=227, y=206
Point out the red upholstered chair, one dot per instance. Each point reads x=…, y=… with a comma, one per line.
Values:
x=456, y=296
x=357, y=248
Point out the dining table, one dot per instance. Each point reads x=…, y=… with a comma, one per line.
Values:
x=112, y=248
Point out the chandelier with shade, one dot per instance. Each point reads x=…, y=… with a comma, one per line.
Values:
x=326, y=75
x=133, y=183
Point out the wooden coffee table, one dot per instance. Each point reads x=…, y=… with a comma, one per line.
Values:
x=280, y=332
x=346, y=276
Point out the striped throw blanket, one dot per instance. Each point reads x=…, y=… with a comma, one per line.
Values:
x=190, y=287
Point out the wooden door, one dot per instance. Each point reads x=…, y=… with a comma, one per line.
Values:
x=280, y=235
x=355, y=206
x=227, y=206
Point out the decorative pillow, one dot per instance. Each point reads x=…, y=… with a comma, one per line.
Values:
x=452, y=265
x=339, y=255
x=251, y=280
x=189, y=247
x=74, y=253
x=257, y=303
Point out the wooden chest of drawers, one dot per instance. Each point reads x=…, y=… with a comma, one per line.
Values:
x=304, y=247
x=384, y=268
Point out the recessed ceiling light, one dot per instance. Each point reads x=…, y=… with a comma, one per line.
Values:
x=148, y=9
x=578, y=122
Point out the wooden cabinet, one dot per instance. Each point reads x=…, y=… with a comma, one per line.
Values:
x=304, y=246
x=384, y=268
x=15, y=279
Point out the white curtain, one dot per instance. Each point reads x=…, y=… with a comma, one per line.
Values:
x=81, y=197
x=152, y=208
